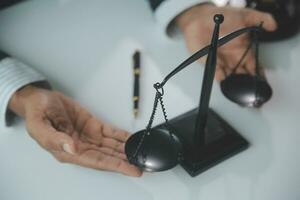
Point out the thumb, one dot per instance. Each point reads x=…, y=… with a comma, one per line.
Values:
x=253, y=18
x=49, y=138
x=59, y=141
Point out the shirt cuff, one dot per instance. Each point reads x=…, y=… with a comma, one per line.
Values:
x=169, y=10
x=13, y=76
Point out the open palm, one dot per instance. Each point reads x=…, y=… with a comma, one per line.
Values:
x=72, y=134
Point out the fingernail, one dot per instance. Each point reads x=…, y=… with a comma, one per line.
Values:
x=67, y=148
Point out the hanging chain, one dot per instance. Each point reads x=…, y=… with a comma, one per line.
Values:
x=168, y=125
x=254, y=40
x=158, y=98
x=149, y=125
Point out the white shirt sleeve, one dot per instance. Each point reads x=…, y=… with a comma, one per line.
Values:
x=169, y=9
x=13, y=76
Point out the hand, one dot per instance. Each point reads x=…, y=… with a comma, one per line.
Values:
x=70, y=133
x=197, y=26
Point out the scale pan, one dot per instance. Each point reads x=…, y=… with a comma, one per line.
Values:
x=159, y=150
x=246, y=90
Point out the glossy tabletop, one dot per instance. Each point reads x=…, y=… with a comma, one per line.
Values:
x=85, y=49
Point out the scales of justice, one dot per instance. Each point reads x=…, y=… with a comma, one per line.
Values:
x=200, y=138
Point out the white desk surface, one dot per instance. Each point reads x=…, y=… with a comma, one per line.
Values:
x=85, y=48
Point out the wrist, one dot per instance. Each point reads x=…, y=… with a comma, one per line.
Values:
x=193, y=15
x=18, y=100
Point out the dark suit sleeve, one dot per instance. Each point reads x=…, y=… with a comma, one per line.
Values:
x=6, y=3
x=155, y=3
x=3, y=55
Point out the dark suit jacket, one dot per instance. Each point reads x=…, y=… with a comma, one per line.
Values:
x=6, y=3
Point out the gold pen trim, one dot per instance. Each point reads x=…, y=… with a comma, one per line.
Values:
x=135, y=98
x=136, y=71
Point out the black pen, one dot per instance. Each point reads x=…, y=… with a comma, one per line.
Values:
x=136, y=83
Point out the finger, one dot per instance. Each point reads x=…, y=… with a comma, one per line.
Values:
x=100, y=161
x=113, y=144
x=48, y=137
x=231, y=56
x=92, y=131
x=120, y=135
x=82, y=117
x=203, y=59
x=109, y=151
x=95, y=130
x=225, y=61
x=113, y=153
x=80, y=114
x=241, y=70
x=250, y=63
x=110, y=163
x=220, y=74
x=237, y=60
x=59, y=119
x=227, y=69
x=110, y=148
x=63, y=157
x=253, y=18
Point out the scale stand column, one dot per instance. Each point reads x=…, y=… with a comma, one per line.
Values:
x=205, y=137
x=209, y=72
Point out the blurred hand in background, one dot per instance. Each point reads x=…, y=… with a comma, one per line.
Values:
x=197, y=26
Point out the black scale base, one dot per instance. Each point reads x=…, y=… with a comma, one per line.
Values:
x=220, y=141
